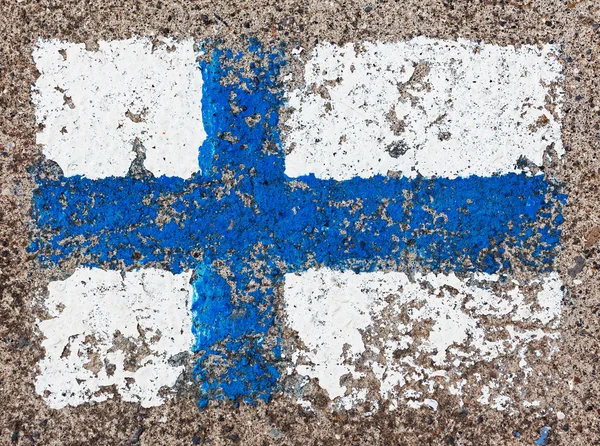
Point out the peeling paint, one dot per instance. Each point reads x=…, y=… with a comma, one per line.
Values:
x=406, y=330
x=244, y=227
x=425, y=107
x=110, y=333
x=92, y=105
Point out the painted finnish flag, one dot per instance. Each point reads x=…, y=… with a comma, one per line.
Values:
x=401, y=211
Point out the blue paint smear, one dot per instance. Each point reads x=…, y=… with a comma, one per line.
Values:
x=243, y=215
x=544, y=432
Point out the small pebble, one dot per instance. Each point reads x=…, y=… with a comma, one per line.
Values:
x=432, y=404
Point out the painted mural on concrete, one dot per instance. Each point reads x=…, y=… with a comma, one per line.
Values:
x=392, y=210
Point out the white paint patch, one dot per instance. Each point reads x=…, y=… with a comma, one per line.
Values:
x=424, y=106
x=92, y=105
x=406, y=330
x=107, y=330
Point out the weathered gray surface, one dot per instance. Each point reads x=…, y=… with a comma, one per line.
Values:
x=574, y=391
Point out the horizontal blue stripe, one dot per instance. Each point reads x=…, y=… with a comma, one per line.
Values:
x=463, y=224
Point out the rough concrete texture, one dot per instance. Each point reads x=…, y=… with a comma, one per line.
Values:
x=573, y=389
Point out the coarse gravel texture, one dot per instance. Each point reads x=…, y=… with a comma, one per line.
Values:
x=574, y=389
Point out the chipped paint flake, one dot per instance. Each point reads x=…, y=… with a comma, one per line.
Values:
x=425, y=107
x=409, y=330
x=106, y=330
x=92, y=105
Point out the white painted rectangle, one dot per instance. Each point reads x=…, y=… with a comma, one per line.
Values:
x=408, y=330
x=424, y=106
x=107, y=330
x=92, y=105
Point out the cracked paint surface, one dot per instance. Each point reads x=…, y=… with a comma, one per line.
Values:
x=92, y=106
x=413, y=333
x=425, y=107
x=106, y=330
x=241, y=224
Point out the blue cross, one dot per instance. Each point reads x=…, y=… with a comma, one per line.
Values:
x=241, y=224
